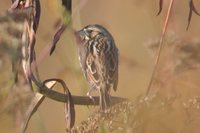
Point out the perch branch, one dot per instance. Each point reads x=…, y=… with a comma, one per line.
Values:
x=78, y=100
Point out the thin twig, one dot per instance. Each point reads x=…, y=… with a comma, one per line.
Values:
x=160, y=47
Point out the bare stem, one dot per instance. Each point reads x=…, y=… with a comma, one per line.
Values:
x=160, y=47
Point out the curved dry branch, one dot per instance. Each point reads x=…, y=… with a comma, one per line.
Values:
x=69, y=106
x=60, y=97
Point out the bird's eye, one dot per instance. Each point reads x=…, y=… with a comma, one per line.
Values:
x=89, y=31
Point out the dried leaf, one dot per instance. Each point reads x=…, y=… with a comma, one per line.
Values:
x=192, y=9
x=69, y=106
x=67, y=11
x=37, y=15
x=160, y=7
x=68, y=5
x=15, y=4
x=38, y=99
x=56, y=37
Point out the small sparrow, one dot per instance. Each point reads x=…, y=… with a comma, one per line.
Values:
x=98, y=56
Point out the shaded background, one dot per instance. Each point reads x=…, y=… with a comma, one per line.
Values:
x=132, y=23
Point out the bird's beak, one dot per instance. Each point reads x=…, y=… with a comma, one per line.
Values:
x=79, y=35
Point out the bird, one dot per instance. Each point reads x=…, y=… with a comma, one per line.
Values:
x=98, y=56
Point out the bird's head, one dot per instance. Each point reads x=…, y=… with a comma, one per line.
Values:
x=90, y=31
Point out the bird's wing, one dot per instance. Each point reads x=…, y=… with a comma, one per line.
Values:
x=109, y=57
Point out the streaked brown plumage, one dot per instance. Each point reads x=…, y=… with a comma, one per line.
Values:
x=98, y=56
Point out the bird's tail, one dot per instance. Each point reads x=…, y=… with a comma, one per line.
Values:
x=104, y=101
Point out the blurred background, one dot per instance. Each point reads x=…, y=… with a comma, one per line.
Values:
x=134, y=26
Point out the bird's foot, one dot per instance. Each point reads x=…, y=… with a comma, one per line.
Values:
x=90, y=96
